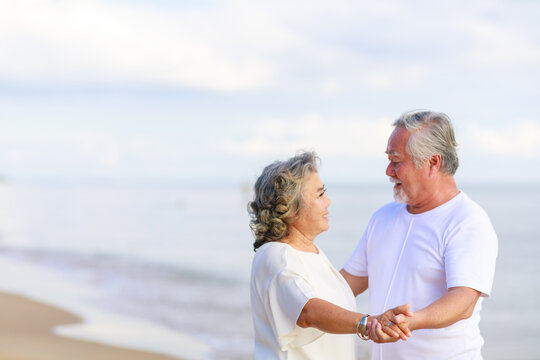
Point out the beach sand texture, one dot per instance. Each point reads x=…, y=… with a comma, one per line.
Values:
x=26, y=333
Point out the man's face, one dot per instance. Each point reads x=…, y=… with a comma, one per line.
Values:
x=409, y=180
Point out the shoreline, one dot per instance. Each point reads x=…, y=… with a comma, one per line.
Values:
x=93, y=323
x=27, y=332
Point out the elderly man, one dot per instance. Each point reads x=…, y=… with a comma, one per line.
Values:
x=433, y=248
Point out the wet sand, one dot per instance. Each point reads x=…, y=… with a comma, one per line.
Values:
x=26, y=333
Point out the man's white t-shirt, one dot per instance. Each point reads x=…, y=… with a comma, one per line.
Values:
x=414, y=259
x=282, y=281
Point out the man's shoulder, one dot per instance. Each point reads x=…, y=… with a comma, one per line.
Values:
x=385, y=214
x=389, y=208
x=467, y=216
x=466, y=208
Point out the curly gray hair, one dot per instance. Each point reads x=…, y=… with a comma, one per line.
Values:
x=278, y=197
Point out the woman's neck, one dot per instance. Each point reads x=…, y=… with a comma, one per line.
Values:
x=299, y=241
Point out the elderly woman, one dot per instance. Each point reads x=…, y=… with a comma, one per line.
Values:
x=300, y=302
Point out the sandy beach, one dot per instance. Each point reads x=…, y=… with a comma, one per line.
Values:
x=26, y=333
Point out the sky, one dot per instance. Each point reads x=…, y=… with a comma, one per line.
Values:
x=212, y=91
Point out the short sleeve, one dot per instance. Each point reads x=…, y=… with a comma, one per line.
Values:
x=287, y=294
x=357, y=264
x=470, y=256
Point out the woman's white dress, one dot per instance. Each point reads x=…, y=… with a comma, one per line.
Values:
x=283, y=279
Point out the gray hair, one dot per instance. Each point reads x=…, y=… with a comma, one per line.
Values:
x=431, y=134
x=278, y=197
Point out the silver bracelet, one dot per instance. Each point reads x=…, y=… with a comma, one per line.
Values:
x=361, y=328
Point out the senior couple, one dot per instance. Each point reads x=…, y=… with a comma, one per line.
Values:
x=428, y=259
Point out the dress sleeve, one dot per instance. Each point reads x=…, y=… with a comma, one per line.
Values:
x=287, y=294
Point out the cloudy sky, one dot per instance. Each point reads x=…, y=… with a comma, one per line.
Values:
x=211, y=90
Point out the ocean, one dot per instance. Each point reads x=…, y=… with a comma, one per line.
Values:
x=166, y=267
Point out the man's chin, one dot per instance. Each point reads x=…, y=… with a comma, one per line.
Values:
x=400, y=196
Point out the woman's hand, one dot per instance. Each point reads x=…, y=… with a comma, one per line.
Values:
x=383, y=328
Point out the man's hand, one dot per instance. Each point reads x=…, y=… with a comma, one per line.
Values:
x=382, y=328
x=402, y=320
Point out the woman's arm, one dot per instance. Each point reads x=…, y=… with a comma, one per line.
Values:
x=331, y=318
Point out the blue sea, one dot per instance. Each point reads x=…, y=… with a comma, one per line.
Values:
x=166, y=267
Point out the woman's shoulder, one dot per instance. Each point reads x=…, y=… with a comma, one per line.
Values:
x=275, y=257
x=271, y=256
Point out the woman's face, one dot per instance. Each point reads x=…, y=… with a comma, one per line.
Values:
x=313, y=215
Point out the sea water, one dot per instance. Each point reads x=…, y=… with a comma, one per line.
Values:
x=166, y=267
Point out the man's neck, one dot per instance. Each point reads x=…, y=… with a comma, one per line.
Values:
x=444, y=190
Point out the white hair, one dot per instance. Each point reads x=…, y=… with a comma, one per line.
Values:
x=431, y=134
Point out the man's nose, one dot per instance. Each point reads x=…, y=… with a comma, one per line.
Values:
x=390, y=170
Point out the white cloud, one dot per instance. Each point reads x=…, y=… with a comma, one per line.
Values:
x=329, y=137
x=109, y=42
x=243, y=45
x=495, y=44
x=360, y=137
x=521, y=139
x=88, y=154
x=354, y=61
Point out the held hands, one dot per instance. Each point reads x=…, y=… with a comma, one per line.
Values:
x=391, y=325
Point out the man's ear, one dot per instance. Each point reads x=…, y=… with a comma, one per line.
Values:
x=435, y=163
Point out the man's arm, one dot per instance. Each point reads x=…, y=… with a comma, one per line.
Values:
x=458, y=304
x=358, y=284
